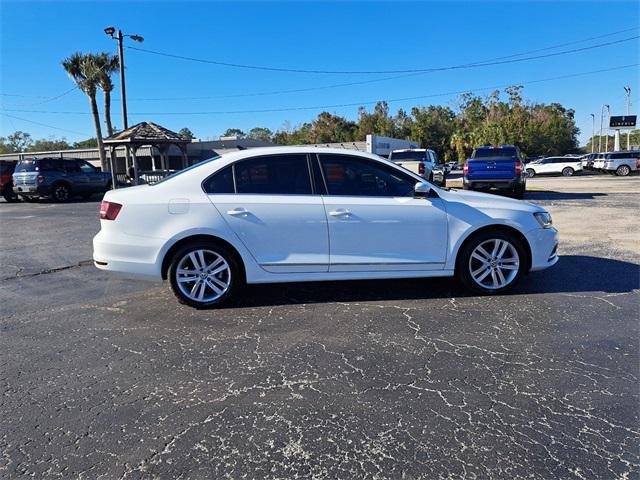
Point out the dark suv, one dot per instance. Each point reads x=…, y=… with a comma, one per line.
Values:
x=6, y=183
x=58, y=178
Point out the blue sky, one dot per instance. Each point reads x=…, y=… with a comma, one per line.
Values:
x=344, y=36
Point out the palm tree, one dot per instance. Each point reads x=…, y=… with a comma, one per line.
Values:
x=84, y=70
x=108, y=64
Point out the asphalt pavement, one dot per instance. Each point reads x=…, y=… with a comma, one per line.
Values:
x=104, y=377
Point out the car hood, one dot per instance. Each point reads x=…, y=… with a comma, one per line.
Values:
x=485, y=201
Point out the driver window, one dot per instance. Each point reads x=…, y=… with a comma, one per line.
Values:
x=87, y=168
x=354, y=176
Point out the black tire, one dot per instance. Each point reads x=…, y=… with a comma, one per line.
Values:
x=9, y=195
x=567, y=172
x=518, y=191
x=531, y=172
x=465, y=263
x=623, y=171
x=466, y=187
x=234, y=279
x=28, y=199
x=61, y=192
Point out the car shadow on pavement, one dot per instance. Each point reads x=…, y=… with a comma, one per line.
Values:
x=572, y=274
x=533, y=195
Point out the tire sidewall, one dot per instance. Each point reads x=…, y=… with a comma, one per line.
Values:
x=236, y=274
x=462, y=263
x=623, y=168
x=569, y=172
x=530, y=172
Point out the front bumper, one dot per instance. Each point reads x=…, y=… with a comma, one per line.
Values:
x=544, y=247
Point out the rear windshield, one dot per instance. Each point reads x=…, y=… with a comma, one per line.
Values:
x=27, y=166
x=501, y=152
x=408, y=156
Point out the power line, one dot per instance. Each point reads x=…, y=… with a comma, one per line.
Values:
x=316, y=107
x=413, y=70
x=43, y=124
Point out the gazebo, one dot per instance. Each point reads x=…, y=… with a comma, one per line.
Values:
x=144, y=134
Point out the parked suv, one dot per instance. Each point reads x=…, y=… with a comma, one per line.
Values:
x=622, y=163
x=58, y=178
x=565, y=166
x=6, y=183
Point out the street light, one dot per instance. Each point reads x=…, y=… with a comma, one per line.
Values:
x=593, y=131
x=119, y=36
x=627, y=91
x=601, y=121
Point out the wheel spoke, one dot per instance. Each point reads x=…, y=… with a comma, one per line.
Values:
x=195, y=261
x=494, y=279
x=477, y=256
x=203, y=287
x=501, y=278
x=508, y=267
x=214, y=264
x=193, y=278
x=195, y=287
x=502, y=251
x=213, y=287
x=484, y=266
x=222, y=268
x=219, y=282
x=484, y=275
x=496, y=246
x=509, y=260
x=482, y=251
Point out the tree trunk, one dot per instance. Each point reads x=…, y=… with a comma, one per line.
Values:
x=107, y=112
x=96, y=124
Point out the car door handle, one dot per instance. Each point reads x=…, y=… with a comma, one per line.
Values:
x=340, y=212
x=238, y=211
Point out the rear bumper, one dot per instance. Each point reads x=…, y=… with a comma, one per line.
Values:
x=129, y=255
x=500, y=183
x=33, y=190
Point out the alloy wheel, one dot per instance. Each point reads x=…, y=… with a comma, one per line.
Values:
x=623, y=171
x=203, y=275
x=61, y=193
x=494, y=264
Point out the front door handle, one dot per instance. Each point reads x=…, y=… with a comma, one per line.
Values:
x=238, y=211
x=340, y=212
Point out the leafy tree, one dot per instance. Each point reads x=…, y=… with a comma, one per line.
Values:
x=88, y=143
x=18, y=141
x=327, y=128
x=44, y=145
x=260, y=133
x=186, y=133
x=377, y=122
x=433, y=127
x=84, y=71
x=232, y=132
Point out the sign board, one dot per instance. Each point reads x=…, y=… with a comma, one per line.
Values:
x=383, y=146
x=624, y=121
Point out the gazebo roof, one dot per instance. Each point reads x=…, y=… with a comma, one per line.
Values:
x=146, y=133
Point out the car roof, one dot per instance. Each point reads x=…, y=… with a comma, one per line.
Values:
x=410, y=150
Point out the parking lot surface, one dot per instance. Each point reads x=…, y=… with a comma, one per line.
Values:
x=110, y=378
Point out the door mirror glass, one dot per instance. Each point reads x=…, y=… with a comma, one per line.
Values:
x=422, y=189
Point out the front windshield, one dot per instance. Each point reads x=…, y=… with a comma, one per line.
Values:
x=179, y=172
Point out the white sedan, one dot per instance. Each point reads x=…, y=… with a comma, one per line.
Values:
x=295, y=214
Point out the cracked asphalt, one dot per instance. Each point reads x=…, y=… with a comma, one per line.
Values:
x=104, y=377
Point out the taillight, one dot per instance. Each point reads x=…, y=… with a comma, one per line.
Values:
x=465, y=168
x=421, y=168
x=519, y=168
x=40, y=178
x=109, y=210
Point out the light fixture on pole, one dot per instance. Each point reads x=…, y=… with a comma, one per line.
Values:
x=119, y=36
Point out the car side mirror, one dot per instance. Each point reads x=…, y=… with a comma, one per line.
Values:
x=422, y=189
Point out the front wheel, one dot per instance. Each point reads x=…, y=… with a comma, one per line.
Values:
x=623, y=171
x=491, y=263
x=204, y=275
x=567, y=172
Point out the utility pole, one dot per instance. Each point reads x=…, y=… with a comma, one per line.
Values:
x=593, y=132
x=627, y=91
x=601, y=122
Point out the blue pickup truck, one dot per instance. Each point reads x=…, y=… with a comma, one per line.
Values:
x=495, y=167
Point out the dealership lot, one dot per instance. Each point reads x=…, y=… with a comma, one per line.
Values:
x=106, y=377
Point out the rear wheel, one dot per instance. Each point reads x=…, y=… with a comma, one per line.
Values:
x=623, y=170
x=61, y=192
x=204, y=275
x=567, y=172
x=9, y=195
x=491, y=263
x=518, y=191
x=531, y=172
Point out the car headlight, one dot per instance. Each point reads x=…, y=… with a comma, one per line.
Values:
x=544, y=219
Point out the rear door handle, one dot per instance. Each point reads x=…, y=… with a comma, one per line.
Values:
x=238, y=211
x=340, y=212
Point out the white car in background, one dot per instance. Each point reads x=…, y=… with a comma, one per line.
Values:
x=565, y=166
x=297, y=214
x=621, y=163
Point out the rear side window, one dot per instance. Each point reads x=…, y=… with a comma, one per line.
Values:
x=348, y=175
x=71, y=166
x=220, y=182
x=273, y=174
